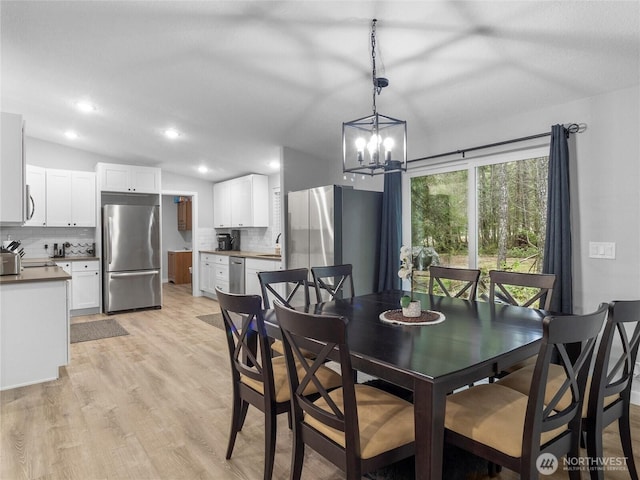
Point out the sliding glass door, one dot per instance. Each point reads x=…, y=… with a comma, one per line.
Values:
x=487, y=213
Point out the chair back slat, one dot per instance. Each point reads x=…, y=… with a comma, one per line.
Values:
x=335, y=281
x=500, y=281
x=469, y=278
x=292, y=280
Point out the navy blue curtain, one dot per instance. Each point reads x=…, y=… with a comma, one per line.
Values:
x=557, y=245
x=391, y=230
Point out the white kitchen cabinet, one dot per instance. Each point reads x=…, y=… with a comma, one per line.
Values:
x=241, y=202
x=34, y=321
x=128, y=178
x=71, y=198
x=221, y=205
x=221, y=263
x=251, y=268
x=85, y=285
x=36, y=179
x=83, y=199
x=13, y=197
x=207, y=273
x=66, y=266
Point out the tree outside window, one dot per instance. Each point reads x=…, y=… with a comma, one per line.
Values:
x=511, y=202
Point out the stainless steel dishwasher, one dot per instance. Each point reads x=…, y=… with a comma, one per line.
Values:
x=236, y=275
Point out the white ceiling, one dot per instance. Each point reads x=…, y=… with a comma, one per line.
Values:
x=239, y=79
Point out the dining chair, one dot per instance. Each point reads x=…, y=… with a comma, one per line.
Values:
x=357, y=427
x=335, y=281
x=502, y=283
x=458, y=282
x=283, y=286
x=291, y=281
x=539, y=287
x=512, y=429
x=257, y=378
x=608, y=393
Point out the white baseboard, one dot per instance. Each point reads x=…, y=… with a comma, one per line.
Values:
x=635, y=397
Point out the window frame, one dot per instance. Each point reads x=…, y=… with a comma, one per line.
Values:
x=470, y=163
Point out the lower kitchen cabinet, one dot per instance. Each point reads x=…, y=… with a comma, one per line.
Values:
x=35, y=332
x=85, y=285
x=178, y=264
x=222, y=272
x=214, y=272
x=207, y=273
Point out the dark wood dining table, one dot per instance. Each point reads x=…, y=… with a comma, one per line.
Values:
x=475, y=341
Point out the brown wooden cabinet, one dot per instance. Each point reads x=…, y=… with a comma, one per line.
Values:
x=184, y=214
x=178, y=267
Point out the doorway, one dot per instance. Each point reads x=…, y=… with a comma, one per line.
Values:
x=180, y=236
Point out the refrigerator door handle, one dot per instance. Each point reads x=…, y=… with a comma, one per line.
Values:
x=109, y=230
x=135, y=274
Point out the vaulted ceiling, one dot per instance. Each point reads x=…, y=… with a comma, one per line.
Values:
x=239, y=79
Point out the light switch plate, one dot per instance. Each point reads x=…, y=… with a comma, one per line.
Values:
x=602, y=250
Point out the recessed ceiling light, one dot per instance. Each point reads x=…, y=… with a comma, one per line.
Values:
x=85, y=106
x=171, y=133
x=71, y=135
x=203, y=169
x=274, y=164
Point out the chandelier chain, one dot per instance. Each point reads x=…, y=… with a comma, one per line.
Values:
x=376, y=88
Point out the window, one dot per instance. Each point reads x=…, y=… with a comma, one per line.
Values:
x=487, y=213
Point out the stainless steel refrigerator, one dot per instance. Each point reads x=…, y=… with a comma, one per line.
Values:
x=333, y=225
x=131, y=257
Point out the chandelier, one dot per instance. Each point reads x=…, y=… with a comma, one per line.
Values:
x=376, y=144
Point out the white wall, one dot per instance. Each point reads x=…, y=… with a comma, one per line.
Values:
x=301, y=171
x=52, y=155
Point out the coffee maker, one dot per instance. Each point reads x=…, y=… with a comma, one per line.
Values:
x=224, y=241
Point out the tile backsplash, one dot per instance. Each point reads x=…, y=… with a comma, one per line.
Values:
x=34, y=239
x=251, y=239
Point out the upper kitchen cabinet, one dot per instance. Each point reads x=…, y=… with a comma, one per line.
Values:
x=13, y=197
x=128, y=178
x=221, y=205
x=184, y=214
x=36, y=179
x=71, y=198
x=241, y=202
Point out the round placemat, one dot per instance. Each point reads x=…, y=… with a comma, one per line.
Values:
x=427, y=317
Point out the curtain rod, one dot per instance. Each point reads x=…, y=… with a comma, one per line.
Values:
x=572, y=128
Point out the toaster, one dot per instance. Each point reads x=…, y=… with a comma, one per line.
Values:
x=10, y=264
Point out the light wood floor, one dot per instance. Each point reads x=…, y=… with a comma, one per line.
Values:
x=154, y=404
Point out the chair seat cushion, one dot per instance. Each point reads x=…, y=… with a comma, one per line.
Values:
x=521, y=382
x=493, y=415
x=385, y=421
x=328, y=378
x=278, y=347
